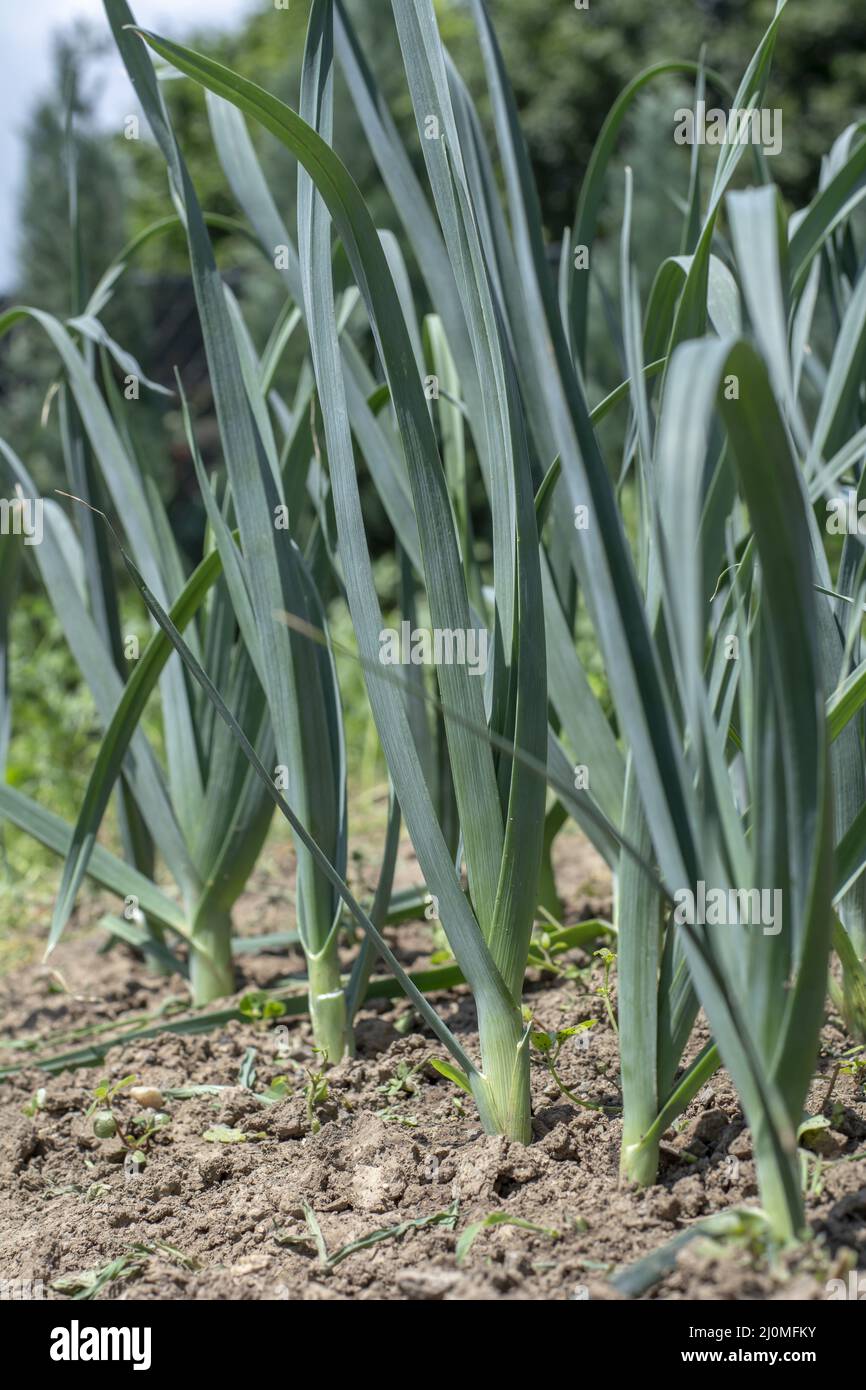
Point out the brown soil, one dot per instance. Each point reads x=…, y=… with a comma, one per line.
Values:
x=214, y=1220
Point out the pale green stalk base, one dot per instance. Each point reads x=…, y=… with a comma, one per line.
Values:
x=642, y=1130
x=328, y=1005
x=639, y=1161
x=780, y=1190
x=211, y=969
x=156, y=933
x=501, y=1090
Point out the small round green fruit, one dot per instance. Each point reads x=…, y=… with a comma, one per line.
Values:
x=104, y=1124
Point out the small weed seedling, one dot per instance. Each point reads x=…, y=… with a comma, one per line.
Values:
x=498, y=1218
x=608, y=959
x=403, y=1081
x=35, y=1103
x=316, y=1092
x=104, y=1119
x=549, y=1047
x=393, y=1116
x=259, y=1007
x=545, y=950
x=106, y=1125
x=855, y=1067
x=328, y=1261
x=398, y=1087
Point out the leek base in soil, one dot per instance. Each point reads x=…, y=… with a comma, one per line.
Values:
x=211, y=969
x=501, y=1090
x=328, y=1011
x=639, y=1160
x=780, y=1189
x=642, y=1131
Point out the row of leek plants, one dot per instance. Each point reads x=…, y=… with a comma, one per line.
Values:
x=687, y=800
x=744, y=774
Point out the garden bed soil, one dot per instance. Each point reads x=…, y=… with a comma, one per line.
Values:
x=394, y=1142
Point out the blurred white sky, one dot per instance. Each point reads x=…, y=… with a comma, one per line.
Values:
x=26, y=32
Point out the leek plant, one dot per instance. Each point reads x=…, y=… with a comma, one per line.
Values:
x=203, y=813
x=209, y=832
x=755, y=646
x=207, y=816
x=500, y=800
x=733, y=688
